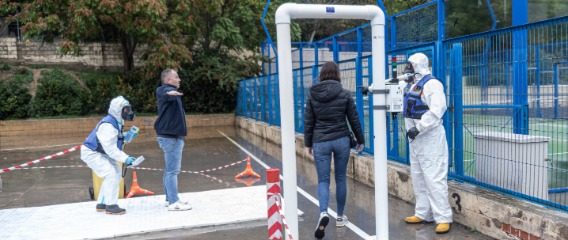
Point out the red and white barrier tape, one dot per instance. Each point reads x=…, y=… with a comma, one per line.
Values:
x=197, y=172
x=23, y=166
x=85, y=166
x=283, y=218
x=40, y=160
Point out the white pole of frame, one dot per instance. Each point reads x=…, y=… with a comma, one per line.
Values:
x=284, y=14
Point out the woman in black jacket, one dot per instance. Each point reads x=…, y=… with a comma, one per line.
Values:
x=328, y=109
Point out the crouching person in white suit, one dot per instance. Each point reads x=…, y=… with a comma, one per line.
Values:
x=102, y=150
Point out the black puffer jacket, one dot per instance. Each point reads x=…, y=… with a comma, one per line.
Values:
x=328, y=108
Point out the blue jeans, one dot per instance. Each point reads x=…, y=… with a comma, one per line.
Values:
x=322, y=157
x=173, y=148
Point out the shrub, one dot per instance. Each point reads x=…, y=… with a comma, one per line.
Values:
x=140, y=91
x=4, y=67
x=15, y=97
x=58, y=94
x=102, y=87
x=210, y=83
x=23, y=71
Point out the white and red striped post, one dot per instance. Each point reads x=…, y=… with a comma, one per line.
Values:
x=272, y=198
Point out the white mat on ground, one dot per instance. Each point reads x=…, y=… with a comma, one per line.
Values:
x=143, y=214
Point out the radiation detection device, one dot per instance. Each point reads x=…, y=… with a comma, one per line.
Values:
x=395, y=96
x=137, y=162
x=131, y=134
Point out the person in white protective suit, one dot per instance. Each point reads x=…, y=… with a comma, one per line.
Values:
x=424, y=106
x=103, y=148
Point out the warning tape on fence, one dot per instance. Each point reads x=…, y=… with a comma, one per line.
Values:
x=40, y=160
x=278, y=197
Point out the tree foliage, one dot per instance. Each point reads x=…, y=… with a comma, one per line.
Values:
x=224, y=40
x=15, y=96
x=314, y=29
x=157, y=23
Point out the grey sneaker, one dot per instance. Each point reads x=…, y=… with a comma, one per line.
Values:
x=322, y=223
x=341, y=221
x=178, y=206
x=182, y=201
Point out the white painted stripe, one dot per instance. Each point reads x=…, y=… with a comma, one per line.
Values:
x=350, y=225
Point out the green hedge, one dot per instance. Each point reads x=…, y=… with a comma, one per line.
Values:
x=58, y=95
x=15, y=97
x=209, y=85
x=140, y=91
x=101, y=88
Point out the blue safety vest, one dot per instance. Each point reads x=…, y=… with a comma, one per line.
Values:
x=93, y=143
x=414, y=107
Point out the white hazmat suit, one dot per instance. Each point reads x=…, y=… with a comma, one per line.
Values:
x=105, y=165
x=429, y=149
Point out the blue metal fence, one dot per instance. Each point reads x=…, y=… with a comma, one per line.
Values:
x=506, y=88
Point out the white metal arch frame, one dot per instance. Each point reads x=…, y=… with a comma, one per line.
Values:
x=284, y=14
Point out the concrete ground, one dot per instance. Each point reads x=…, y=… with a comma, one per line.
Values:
x=65, y=179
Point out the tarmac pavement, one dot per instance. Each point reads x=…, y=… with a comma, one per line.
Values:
x=65, y=180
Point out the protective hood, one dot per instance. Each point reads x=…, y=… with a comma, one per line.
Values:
x=326, y=91
x=116, y=106
x=420, y=64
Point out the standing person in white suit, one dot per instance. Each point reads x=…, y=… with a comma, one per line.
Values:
x=424, y=106
x=102, y=150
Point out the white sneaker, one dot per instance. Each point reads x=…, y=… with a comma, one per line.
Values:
x=178, y=206
x=341, y=221
x=182, y=201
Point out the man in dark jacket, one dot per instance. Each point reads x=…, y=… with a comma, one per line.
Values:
x=171, y=131
x=328, y=109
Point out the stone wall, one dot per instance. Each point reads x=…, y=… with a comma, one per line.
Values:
x=96, y=55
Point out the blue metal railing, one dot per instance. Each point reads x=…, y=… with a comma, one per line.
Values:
x=486, y=87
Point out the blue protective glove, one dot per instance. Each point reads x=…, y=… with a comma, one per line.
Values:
x=130, y=160
x=412, y=133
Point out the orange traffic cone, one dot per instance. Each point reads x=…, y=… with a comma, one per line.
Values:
x=135, y=189
x=248, y=172
x=247, y=181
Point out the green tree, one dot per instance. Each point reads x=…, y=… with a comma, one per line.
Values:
x=396, y=6
x=157, y=23
x=224, y=40
x=313, y=29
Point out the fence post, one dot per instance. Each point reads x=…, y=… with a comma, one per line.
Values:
x=273, y=195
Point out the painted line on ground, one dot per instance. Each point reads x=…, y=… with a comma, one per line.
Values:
x=350, y=225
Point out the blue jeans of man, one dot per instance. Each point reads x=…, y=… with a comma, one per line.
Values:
x=173, y=148
x=322, y=157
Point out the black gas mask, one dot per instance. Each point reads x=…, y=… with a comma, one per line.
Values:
x=127, y=113
x=409, y=70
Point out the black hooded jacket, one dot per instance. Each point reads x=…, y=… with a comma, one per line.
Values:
x=328, y=108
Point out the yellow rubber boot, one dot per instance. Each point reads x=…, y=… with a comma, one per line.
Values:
x=414, y=220
x=443, y=228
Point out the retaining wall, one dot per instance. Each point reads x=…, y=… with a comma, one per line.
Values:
x=47, y=132
x=95, y=55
